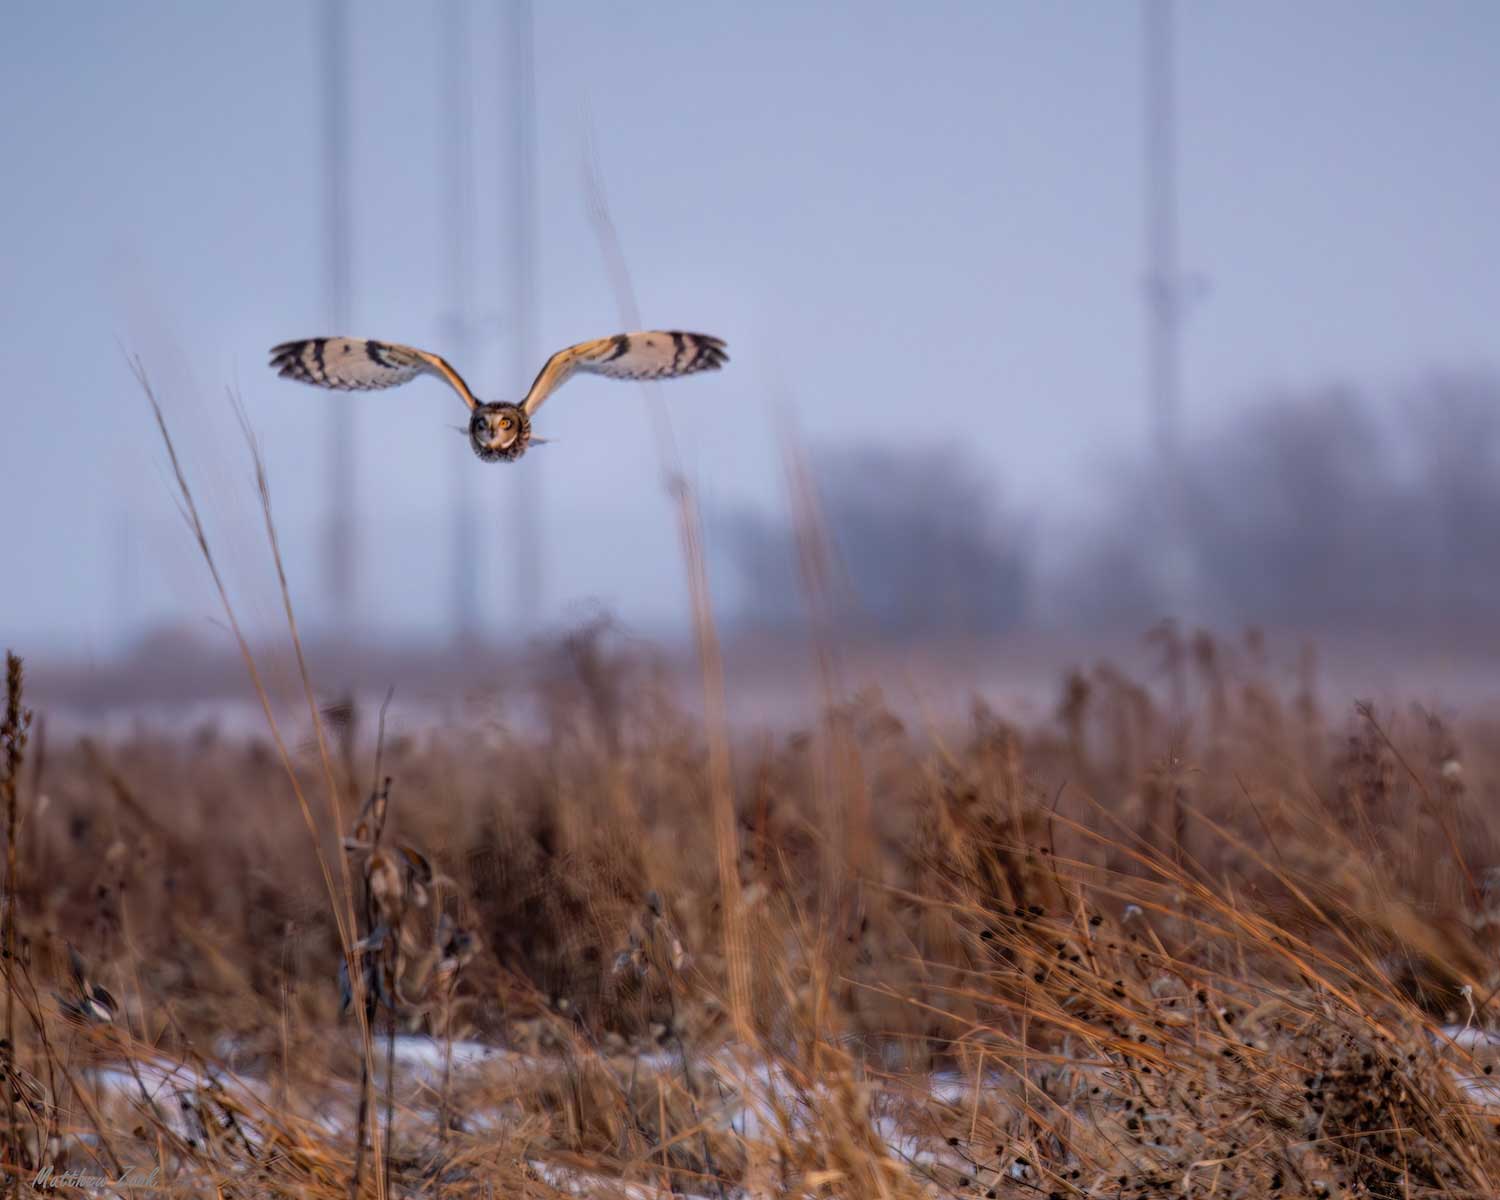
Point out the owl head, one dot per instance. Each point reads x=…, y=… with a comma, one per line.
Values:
x=499, y=432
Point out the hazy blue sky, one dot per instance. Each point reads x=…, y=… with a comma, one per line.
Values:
x=897, y=214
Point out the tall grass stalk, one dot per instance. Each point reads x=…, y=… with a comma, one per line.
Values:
x=341, y=900
x=705, y=631
x=14, y=729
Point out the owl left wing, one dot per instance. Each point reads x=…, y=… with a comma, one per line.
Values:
x=347, y=364
x=656, y=354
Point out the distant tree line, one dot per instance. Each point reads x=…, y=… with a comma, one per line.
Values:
x=1313, y=510
x=915, y=540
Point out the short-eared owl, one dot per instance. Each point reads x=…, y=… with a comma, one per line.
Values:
x=497, y=431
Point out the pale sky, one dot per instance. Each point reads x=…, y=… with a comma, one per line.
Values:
x=898, y=215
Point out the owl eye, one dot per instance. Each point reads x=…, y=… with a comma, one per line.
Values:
x=504, y=422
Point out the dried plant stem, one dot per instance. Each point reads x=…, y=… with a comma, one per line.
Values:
x=13, y=733
x=706, y=638
x=843, y=794
x=447, y=1097
x=692, y=1091
x=342, y=907
x=390, y=1094
x=360, y=1121
x=347, y=916
x=1444, y=817
x=365, y=1003
x=195, y=523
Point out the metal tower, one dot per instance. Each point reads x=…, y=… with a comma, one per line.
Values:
x=459, y=230
x=1168, y=295
x=520, y=156
x=1165, y=291
x=340, y=531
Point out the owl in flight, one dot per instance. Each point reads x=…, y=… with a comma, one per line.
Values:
x=497, y=432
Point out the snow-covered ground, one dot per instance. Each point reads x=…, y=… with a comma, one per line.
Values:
x=753, y=1098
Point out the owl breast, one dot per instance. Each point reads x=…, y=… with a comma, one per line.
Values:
x=502, y=453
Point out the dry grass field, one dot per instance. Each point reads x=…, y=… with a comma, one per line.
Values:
x=1199, y=940
x=1197, y=937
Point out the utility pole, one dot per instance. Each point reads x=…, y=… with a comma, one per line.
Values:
x=1165, y=290
x=340, y=550
x=525, y=490
x=459, y=229
x=1168, y=294
x=124, y=612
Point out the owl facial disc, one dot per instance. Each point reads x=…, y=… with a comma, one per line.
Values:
x=499, y=432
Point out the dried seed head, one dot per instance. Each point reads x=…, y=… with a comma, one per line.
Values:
x=387, y=884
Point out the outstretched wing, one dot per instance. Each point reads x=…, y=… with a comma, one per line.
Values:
x=659, y=354
x=358, y=365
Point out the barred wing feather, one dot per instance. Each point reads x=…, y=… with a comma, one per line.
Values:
x=655, y=354
x=361, y=365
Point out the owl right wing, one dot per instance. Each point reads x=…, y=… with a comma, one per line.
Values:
x=650, y=354
x=359, y=365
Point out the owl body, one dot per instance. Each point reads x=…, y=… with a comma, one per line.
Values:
x=497, y=432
